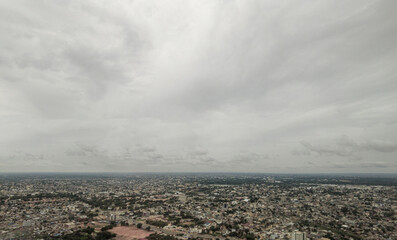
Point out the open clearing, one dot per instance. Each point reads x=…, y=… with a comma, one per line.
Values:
x=129, y=233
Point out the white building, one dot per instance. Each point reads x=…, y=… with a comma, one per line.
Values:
x=298, y=236
x=182, y=197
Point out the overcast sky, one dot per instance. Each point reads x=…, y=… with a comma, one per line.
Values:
x=230, y=86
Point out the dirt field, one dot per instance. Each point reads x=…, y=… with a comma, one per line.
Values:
x=129, y=233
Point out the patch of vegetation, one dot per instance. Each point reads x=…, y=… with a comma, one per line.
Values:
x=156, y=236
x=160, y=224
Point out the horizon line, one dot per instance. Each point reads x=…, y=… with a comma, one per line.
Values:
x=200, y=172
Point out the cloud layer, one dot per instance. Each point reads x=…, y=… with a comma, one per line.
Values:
x=346, y=147
x=198, y=86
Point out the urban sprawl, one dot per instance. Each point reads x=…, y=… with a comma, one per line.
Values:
x=197, y=206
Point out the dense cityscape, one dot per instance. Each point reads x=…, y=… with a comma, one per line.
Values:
x=198, y=120
x=197, y=206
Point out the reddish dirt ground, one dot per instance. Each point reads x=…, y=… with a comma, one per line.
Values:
x=129, y=233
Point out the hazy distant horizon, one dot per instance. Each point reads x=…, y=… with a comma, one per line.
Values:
x=198, y=86
x=383, y=174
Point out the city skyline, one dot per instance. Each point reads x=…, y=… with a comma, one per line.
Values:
x=198, y=86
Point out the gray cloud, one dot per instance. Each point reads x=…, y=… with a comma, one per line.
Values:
x=141, y=85
x=332, y=150
x=251, y=158
x=197, y=152
x=145, y=149
x=86, y=151
x=365, y=165
x=346, y=147
x=378, y=145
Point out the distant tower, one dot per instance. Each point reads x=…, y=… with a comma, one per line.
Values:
x=298, y=236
